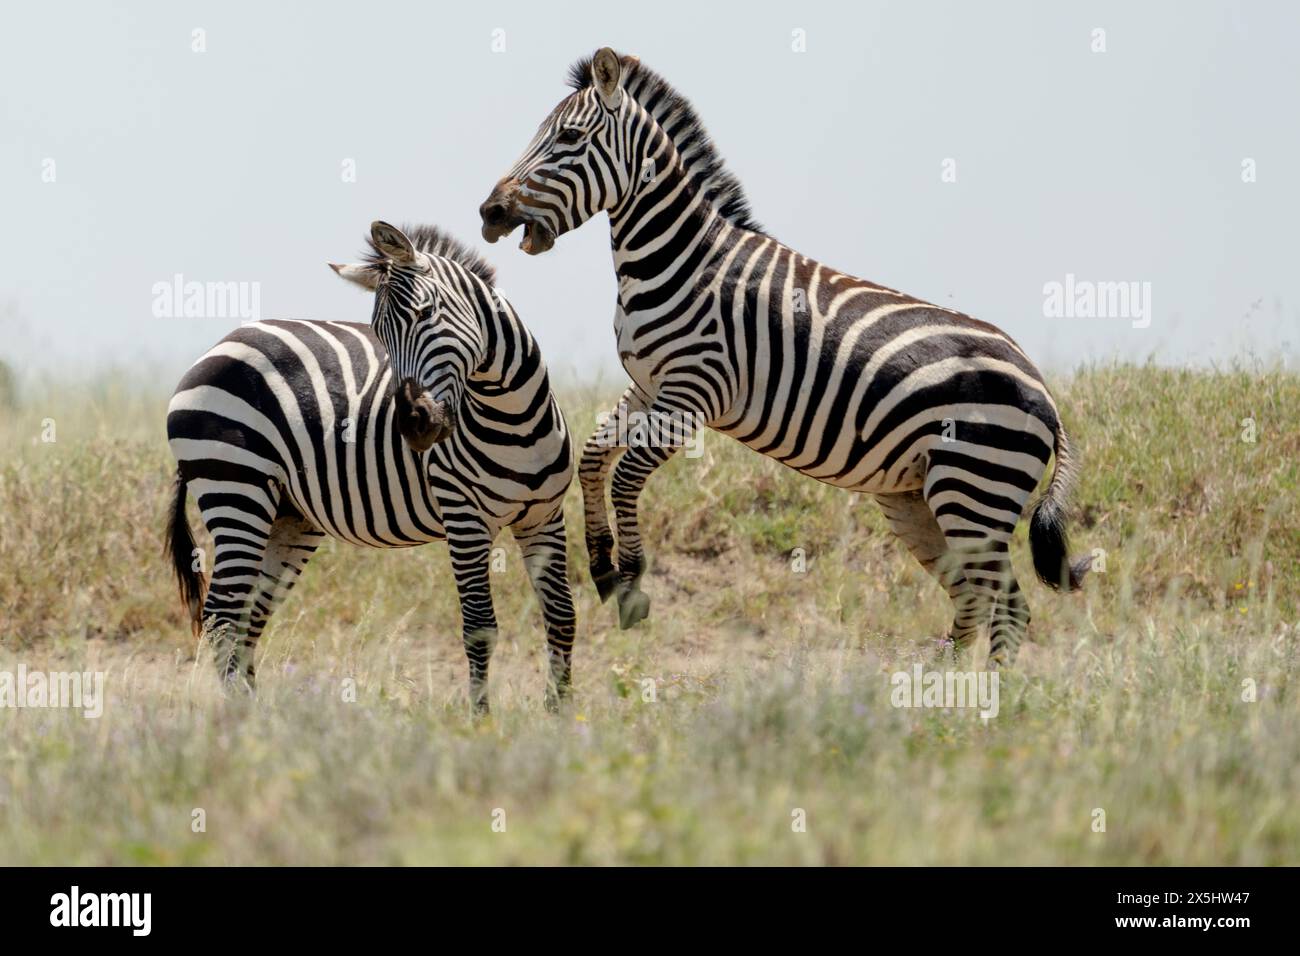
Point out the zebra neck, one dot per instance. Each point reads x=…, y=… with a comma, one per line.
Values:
x=509, y=381
x=664, y=239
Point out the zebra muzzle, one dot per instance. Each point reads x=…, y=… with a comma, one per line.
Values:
x=423, y=420
x=500, y=215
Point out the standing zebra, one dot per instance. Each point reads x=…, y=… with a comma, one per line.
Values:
x=438, y=423
x=940, y=417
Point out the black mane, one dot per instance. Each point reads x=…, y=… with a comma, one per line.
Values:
x=435, y=242
x=677, y=116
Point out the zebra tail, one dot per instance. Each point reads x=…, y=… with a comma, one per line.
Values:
x=1048, y=539
x=180, y=544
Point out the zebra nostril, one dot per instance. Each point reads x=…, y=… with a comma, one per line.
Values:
x=493, y=213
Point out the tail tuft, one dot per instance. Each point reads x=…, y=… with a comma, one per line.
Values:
x=179, y=543
x=1048, y=540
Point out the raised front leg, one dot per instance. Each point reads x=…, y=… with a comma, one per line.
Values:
x=606, y=443
x=630, y=476
x=593, y=470
x=546, y=559
x=470, y=545
x=664, y=432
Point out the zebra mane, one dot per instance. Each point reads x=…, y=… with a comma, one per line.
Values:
x=677, y=116
x=435, y=242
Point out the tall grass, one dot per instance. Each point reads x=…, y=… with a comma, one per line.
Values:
x=1160, y=696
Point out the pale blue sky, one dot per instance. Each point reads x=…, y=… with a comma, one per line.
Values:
x=226, y=165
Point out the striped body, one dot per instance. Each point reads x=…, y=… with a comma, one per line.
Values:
x=941, y=417
x=309, y=406
x=864, y=388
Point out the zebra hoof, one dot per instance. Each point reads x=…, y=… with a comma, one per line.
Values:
x=633, y=608
x=606, y=583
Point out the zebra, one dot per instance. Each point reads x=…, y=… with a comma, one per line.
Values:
x=437, y=421
x=941, y=417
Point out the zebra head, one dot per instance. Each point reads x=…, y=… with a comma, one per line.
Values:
x=576, y=166
x=432, y=335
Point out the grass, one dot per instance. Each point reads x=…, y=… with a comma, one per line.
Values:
x=771, y=690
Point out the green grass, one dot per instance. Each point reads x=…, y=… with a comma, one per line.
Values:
x=771, y=686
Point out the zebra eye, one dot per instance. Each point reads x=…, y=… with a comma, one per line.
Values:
x=569, y=135
x=425, y=314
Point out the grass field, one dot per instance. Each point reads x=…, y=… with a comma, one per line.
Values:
x=1161, y=696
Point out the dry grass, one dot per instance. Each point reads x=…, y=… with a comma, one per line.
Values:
x=772, y=687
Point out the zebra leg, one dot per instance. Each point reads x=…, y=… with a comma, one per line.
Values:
x=1009, y=624
x=593, y=470
x=630, y=476
x=239, y=518
x=598, y=454
x=987, y=565
x=292, y=543
x=470, y=544
x=982, y=544
x=911, y=519
x=545, y=557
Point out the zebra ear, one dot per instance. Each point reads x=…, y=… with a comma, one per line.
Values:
x=391, y=242
x=364, y=275
x=607, y=75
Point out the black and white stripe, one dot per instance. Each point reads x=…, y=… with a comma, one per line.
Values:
x=939, y=416
x=288, y=431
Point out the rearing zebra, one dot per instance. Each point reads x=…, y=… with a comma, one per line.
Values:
x=941, y=417
x=439, y=423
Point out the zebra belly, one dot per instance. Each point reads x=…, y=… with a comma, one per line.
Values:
x=887, y=445
x=305, y=405
x=854, y=471
x=359, y=496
